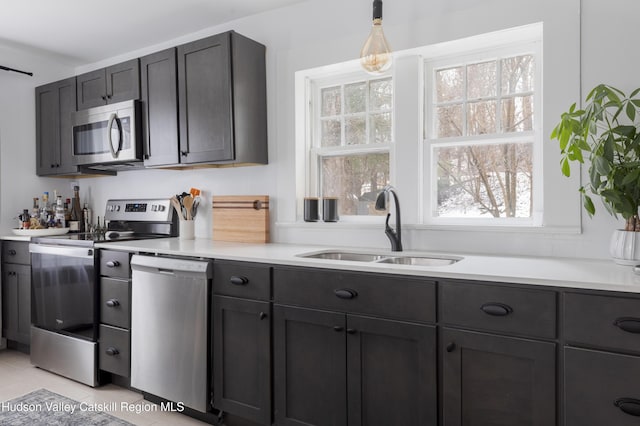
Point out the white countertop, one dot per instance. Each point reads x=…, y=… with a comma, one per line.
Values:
x=15, y=238
x=545, y=271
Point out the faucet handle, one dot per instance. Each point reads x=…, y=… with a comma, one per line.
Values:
x=386, y=222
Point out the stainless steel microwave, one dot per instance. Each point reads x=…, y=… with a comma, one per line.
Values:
x=107, y=134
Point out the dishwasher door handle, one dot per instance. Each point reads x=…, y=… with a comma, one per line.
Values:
x=67, y=251
x=169, y=265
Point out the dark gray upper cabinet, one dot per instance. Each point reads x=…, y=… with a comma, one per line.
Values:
x=159, y=91
x=222, y=100
x=113, y=84
x=54, y=104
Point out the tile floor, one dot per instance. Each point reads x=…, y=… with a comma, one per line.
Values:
x=19, y=377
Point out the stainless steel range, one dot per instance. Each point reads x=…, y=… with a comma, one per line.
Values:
x=64, y=293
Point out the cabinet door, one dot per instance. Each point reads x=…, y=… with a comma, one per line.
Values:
x=601, y=388
x=493, y=380
x=67, y=103
x=91, y=89
x=204, y=81
x=54, y=104
x=16, y=301
x=310, y=367
x=242, y=358
x=391, y=369
x=160, y=108
x=123, y=81
x=9, y=301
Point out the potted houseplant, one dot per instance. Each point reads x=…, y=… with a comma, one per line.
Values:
x=606, y=133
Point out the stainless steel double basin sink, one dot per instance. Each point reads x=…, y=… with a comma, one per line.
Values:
x=392, y=258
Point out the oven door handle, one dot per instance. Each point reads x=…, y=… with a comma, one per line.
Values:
x=80, y=252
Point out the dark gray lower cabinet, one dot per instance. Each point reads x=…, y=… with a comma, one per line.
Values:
x=16, y=302
x=490, y=380
x=336, y=369
x=309, y=367
x=390, y=372
x=601, y=388
x=242, y=358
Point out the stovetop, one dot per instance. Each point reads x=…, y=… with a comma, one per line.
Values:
x=128, y=219
x=88, y=240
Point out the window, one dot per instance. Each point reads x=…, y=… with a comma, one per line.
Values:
x=482, y=139
x=456, y=129
x=352, y=134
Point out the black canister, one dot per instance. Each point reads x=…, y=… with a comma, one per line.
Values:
x=330, y=209
x=311, y=209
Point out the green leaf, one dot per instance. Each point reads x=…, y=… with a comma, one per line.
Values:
x=631, y=111
x=626, y=131
x=588, y=205
x=594, y=177
x=612, y=95
x=566, y=168
x=602, y=166
x=631, y=177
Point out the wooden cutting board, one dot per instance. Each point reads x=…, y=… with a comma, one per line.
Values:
x=241, y=218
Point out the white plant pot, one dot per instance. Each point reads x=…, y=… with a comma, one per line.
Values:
x=625, y=247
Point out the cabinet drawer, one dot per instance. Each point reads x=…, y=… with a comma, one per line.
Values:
x=115, y=264
x=16, y=252
x=114, y=302
x=598, y=386
x=603, y=321
x=114, y=350
x=388, y=296
x=497, y=308
x=251, y=281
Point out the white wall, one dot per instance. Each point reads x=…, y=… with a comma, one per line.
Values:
x=319, y=32
x=18, y=180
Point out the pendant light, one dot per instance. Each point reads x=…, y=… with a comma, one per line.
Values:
x=375, y=56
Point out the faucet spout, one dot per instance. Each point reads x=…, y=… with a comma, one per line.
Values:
x=395, y=236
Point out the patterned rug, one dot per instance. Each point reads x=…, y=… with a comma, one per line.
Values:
x=46, y=408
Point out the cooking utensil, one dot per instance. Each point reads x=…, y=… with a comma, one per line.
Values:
x=177, y=206
x=187, y=203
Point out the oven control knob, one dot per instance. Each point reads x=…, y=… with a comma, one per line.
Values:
x=117, y=208
x=161, y=208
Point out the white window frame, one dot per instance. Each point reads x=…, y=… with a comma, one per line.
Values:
x=411, y=122
x=315, y=81
x=431, y=141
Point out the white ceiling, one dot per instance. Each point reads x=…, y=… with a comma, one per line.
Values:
x=87, y=31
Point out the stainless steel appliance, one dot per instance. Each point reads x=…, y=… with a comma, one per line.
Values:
x=64, y=287
x=109, y=134
x=169, y=322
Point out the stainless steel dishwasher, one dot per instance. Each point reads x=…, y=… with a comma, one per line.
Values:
x=169, y=323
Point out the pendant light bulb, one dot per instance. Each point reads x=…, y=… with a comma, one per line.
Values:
x=375, y=56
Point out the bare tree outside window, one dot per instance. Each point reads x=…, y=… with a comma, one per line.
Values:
x=356, y=116
x=471, y=103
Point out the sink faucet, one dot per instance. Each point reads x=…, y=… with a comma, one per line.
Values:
x=395, y=236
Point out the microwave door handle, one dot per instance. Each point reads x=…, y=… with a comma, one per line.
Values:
x=114, y=118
